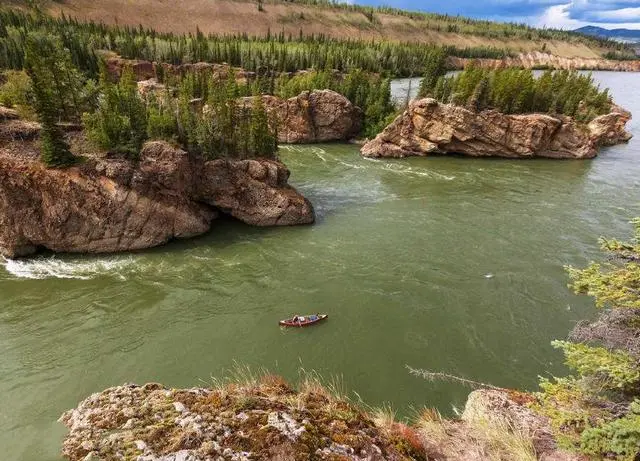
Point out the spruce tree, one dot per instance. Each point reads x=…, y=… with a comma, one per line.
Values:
x=435, y=67
x=262, y=140
x=54, y=150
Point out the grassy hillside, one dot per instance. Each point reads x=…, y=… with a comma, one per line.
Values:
x=319, y=17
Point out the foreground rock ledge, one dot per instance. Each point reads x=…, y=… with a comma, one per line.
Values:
x=266, y=419
x=428, y=127
x=111, y=205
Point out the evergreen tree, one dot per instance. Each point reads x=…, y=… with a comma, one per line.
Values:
x=120, y=122
x=262, y=140
x=39, y=49
x=597, y=409
x=435, y=67
x=479, y=99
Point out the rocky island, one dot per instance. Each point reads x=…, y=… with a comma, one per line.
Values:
x=503, y=112
x=429, y=127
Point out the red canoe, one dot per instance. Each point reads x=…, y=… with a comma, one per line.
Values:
x=302, y=321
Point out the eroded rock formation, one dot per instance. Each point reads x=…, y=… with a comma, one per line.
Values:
x=312, y=117
x=428, y=127
x=110, y=205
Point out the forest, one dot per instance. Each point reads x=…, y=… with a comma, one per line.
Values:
x=118, y=119
x=516, y=91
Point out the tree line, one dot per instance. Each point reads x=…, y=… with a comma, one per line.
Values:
x=517, y=91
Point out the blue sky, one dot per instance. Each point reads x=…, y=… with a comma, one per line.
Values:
x=567, y=14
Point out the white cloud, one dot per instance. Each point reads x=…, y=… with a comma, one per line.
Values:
x=560, y=17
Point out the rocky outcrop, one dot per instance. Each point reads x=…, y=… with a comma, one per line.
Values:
x=428, y=127
x=265, y=420
x=540, y=60
x=110, y=205
x=312, y=117
x=145, y=70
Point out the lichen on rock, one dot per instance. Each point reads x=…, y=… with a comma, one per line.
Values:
x=264, y=419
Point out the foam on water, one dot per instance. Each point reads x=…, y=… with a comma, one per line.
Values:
x=52, y=267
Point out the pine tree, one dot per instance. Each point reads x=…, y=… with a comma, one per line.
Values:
x=120, y=122
x=54, y=150
x=262, y=141
x=478, y=100
x=435, y=67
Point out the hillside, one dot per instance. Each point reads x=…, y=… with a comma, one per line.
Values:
x=344, y=21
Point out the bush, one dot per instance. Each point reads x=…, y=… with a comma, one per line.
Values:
x=17, y=92
x=620, y=437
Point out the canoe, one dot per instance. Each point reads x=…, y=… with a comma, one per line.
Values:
x=303, y=321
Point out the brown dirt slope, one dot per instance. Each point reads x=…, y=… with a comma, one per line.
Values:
x=242, y=16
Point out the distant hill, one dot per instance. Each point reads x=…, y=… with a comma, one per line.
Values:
x=623, y=35
x=326, y=17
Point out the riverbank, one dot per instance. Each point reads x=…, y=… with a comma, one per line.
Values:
x=107, y=205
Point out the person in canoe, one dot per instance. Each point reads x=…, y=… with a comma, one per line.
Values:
x=303, y=320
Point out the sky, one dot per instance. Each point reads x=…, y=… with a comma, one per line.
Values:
x=565, y=14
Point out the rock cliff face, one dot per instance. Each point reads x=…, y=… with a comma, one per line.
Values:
x=428, y=127
x=312, y=117
x=538, y=60
x=110, y=205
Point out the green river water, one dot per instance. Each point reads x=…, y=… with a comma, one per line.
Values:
x=451, y=264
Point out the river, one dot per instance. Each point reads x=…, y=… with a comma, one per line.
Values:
x=449, y=264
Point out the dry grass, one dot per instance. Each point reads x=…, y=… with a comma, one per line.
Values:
x=384, y=418
x=487, y=437
x=236, y=17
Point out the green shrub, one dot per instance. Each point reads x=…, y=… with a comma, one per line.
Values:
x=119, y=124
x=17, y=92
x=620, y=437
x=615, y=370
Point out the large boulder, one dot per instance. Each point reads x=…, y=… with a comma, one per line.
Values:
x=312, y=117
x=428, y=127
x=110, y=205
